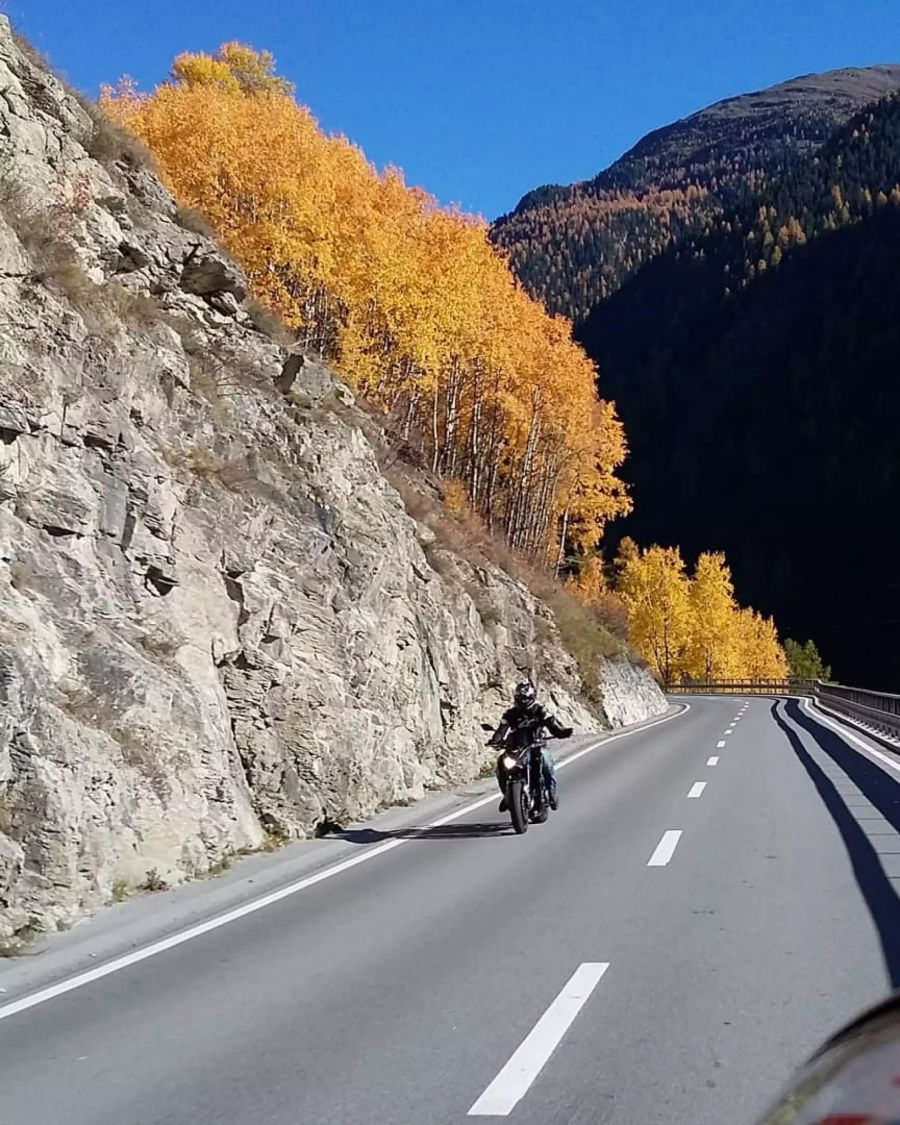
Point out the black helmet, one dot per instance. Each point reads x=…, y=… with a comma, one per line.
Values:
x=525, y=696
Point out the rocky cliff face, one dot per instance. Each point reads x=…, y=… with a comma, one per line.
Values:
x=217, y=620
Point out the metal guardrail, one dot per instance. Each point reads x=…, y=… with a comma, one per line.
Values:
x=878, y=709
x=743, y=687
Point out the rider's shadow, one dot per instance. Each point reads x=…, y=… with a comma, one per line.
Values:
x=441, y=832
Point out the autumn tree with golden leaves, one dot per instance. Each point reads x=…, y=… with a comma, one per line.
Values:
x=713, y=649
x=690, y=627
x=656, y=591
x=408, y=299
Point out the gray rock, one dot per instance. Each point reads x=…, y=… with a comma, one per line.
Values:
x=630, y=694
x=211, y=275
x=13, y=420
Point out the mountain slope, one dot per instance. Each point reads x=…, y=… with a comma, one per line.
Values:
x=575, y=245
x=754, y=368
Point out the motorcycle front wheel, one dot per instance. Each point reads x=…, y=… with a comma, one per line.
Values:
x=541, y=808
x=517, y=802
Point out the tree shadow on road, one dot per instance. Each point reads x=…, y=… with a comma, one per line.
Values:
x=442, y=832
x=881, y=790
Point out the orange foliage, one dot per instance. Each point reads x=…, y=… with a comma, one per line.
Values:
x=690, y=628
x=408, y=299
x=589, y=585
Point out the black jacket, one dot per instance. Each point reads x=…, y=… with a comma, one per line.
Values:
x=528, y=723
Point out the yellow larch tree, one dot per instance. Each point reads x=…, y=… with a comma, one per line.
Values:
x=760, y=655
x=655, y=590
x=714, y=647
x=691, y=627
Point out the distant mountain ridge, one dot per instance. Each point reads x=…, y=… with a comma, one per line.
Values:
x=754, y=366
x=574, y=245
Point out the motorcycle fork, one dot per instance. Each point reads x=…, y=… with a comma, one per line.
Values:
x=536, y=779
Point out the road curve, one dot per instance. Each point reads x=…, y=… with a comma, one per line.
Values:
x=716, y=894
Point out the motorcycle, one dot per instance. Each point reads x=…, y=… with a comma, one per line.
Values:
x=527, y=798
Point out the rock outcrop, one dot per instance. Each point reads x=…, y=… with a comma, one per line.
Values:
x=217, y=619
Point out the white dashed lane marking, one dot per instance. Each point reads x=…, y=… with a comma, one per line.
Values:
x=527, y=1061
x=665, y=849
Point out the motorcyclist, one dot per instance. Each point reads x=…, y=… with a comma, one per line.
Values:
x=527, y=719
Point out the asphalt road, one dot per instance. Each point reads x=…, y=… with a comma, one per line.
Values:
x=702, y=911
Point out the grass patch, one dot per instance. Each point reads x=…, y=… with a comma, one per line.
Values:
x=153, y=881
x=20, y=939
x=222, y=864
x=121, y=889
x=193, y=220
x=56, y=265
x=138, y=309
x=162, y=641
x=203, y=463
x=35, y=57
x=267, y=322
x=109, y=143
x=586, y=639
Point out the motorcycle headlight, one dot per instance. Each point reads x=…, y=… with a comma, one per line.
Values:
x=509, y=761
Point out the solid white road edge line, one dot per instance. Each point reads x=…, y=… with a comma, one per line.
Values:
x=118, y=963
x=665, y=849
x=842, y=730
x=529, y=1059
x=696, y=789
x=714, y=761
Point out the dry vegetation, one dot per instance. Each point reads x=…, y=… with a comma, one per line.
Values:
x=193, y=220
x=590, y=633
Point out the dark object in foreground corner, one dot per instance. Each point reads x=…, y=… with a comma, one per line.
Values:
x=852, y=1078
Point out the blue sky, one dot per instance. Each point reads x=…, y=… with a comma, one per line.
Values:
x=481, y=101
